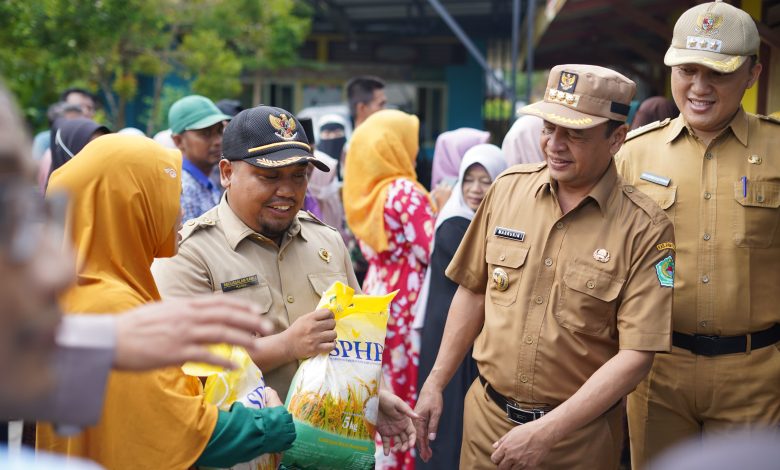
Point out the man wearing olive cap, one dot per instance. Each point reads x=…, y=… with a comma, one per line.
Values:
x=565, y=281
x=259, y=245
x=713, y=170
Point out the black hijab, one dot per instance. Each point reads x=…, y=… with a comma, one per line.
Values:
x=70, y=136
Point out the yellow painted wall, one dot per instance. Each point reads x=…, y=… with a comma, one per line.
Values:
x=750, y=100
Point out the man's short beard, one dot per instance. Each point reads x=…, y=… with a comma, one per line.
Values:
x=273, y=233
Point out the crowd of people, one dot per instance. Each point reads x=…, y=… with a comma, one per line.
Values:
x=598, y=254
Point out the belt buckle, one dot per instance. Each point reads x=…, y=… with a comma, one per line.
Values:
x=705, y=345
x=521, y=416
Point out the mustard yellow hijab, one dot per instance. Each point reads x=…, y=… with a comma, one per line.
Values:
x=123, y=213
x=382, y=150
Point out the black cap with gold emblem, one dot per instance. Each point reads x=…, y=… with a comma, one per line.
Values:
x=268, y=137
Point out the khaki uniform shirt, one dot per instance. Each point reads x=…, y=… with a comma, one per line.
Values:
x=580, y=285
x=218, y=252
x=728, y=242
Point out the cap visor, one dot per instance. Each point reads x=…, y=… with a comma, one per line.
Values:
x=723, y=63
x=208, y=121
x=286, y=157
x=563, y=116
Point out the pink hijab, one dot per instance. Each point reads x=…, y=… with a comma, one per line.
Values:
x=521, y=144
x=449, y=151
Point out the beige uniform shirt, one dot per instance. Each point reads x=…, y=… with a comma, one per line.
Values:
x=581, y=286
x=218, y=252
x=728, y=242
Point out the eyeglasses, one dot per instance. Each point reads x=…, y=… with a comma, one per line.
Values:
x=210, y=132
x=26, y=219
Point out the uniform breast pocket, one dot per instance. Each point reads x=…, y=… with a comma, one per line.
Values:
x=321, y=281
x=258, y=293
x=756, y=214
x=665, y=197
x=505, y=261
x=588, y=301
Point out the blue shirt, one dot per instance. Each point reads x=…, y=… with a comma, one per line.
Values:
x=198, y=193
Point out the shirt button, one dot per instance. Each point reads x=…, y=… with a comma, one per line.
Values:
x=702, y=324
x=708, y=155
x=629, y=189
x=538, y=299
x=502, y=257
x=548, y=262
x=290, y=299
x=705, y=279
x=760, y=198
x=559, y=225
x=590, y=284
x=707, y=195
x=529, y=339
x=524, y=378
x=706, y=236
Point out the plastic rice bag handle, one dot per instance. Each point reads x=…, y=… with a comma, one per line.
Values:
x=340, y=299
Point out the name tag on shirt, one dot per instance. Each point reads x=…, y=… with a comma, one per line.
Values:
x=236, y=284
x=653, y=178
x=509, y=233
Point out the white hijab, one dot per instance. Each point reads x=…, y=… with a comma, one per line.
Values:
x=494, y=161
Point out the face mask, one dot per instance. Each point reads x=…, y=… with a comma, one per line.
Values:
x=332, y=147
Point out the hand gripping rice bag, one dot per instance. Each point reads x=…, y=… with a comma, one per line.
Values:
x=244, y=384
x=334, y=397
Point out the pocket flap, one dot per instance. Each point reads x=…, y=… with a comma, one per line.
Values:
x=662, y=196
x=508, y=253
x=759, y=194
x=263, y=299
x=593, y=282
x=321, y=281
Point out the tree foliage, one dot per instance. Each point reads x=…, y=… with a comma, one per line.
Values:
x=105, y=45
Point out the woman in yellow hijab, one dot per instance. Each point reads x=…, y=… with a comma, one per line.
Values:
x=391, y=215
x=124, y=212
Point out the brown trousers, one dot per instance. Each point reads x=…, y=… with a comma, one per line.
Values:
x=595, y=446
x=685, y=395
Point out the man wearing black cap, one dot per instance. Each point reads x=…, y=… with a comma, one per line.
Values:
x=257, y=243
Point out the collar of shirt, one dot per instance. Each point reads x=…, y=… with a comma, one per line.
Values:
x=190, y=168
x=599, y=193
x=236, y=230
x=738, y=126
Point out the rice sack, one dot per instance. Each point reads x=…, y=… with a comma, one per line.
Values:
x=334, y=397
x=244, y=384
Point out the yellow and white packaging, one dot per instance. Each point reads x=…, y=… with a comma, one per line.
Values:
x=334, y=397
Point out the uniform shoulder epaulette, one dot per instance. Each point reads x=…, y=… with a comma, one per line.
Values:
x=524, y=168
x=771, y=119
x=308, y=216
x=647, y=128
x=193, y=225
x=644, y=202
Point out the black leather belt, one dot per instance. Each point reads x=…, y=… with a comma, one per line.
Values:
x=514, y=412
x=704, y=345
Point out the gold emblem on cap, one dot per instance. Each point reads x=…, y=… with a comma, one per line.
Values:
x=567, y=82
x=601, y=255
x=708, y=23
x=500, y=279
x=284, y=125
x=755, y=159
x=324, y=254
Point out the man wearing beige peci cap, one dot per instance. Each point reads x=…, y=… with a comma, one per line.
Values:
x=713, y=170
x=565, y=282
